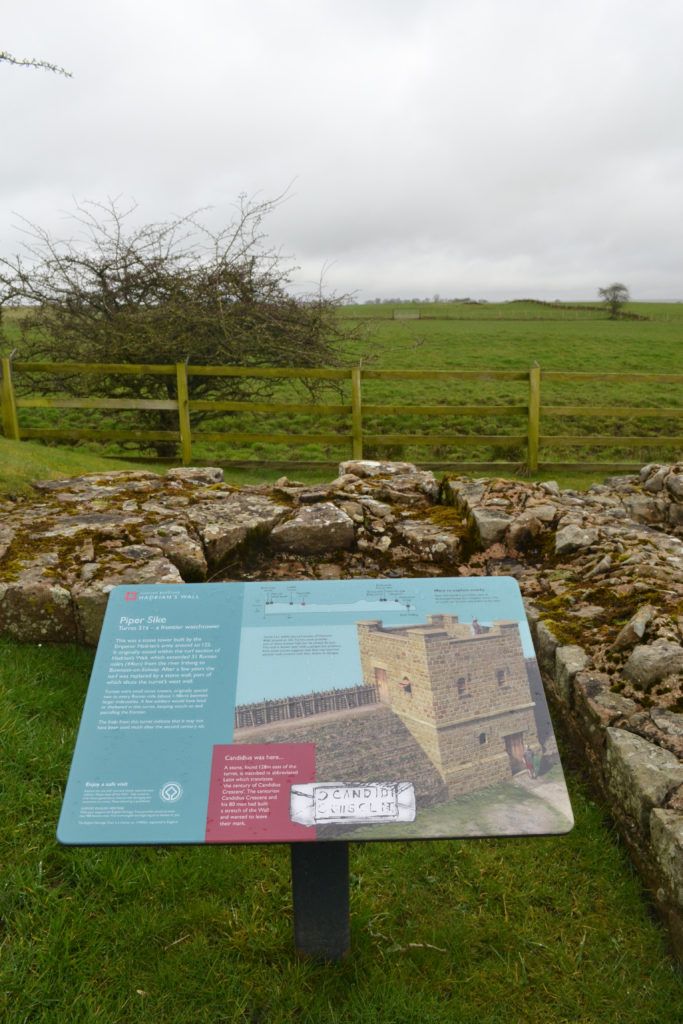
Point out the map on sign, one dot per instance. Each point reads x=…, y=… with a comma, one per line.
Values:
x=296, y=712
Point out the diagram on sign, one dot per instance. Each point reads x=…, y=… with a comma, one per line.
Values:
x=299, y=601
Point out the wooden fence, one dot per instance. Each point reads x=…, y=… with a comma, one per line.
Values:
x=527, y=415
x=288, y=708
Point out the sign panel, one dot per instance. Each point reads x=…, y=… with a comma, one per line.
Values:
x=313, y=710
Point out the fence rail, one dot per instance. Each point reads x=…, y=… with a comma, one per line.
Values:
x=354, y=435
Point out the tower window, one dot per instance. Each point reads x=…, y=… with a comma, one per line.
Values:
x=462, y=686
x=482, y=738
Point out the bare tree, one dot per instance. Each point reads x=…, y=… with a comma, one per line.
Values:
x=163, y=293
x=32, y=62
x=614, y=296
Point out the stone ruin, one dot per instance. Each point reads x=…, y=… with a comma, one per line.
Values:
x=601, y=572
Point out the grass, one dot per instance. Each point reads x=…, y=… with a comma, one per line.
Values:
x=21, y=462
x=544, y=931
x=513, y=336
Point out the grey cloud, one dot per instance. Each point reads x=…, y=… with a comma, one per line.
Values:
x=479, y=146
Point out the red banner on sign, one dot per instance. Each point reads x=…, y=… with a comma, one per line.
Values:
x=249, y=795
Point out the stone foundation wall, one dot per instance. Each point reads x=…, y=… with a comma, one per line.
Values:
x=640, y=781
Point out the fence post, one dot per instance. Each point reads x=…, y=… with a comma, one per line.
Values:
x=10, y=421
x=534, y=417
x=184, y=414
x=356, y=412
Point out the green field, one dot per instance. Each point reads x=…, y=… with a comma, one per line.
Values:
x=514, y=336
x=496, y=336
x=542, y=930
x=518, y=309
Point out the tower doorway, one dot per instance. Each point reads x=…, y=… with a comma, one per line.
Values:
x=514, y=745
x=381, y=683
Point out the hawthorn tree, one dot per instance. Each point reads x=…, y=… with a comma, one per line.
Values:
x=614, y=296
x=164, y=293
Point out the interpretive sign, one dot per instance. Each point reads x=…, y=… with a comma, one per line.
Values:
x=314, y=710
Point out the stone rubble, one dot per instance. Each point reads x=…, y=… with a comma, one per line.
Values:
x=601, y=573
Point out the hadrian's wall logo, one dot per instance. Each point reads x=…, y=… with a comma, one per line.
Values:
x=170, y=792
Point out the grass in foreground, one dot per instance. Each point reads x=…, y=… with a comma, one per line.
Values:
x=544, y=931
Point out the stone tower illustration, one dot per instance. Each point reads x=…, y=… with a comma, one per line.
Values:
x=461, y=689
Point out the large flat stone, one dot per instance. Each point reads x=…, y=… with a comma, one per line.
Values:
x=90, y=601
x=364, y=468
x=644, y=509
x=572, y=537
x=135, y=479
x=596, y=707
x=186, y=553
x=546, y=644
x=674, y=484
x=6, y=538
x=569, y=660
x=37, y=611
x=429, y=540
x=639, y=774
x=666, y=831
x=226, y=525
x=543, y=512
x=463, y=493
x=407, y=487
x=110, y=524
x=650, y=663
x=523, y=531
x=676, y=516
x=90, y=598
x=315, y=529
x=634, y=630
x=490, y=524
x=200, y=475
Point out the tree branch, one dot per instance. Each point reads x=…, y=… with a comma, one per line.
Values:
x=32, y=62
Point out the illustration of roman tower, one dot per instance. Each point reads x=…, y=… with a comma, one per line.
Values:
x=461, y=689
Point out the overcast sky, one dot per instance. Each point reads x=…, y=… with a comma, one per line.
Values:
x=483, y=148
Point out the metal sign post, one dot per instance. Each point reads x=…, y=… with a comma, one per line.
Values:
x=320, y=893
